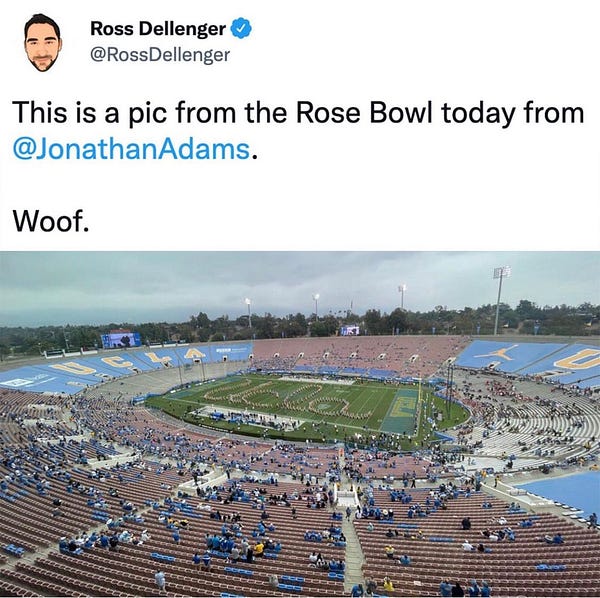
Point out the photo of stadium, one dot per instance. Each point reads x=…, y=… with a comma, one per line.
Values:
x=384, y=445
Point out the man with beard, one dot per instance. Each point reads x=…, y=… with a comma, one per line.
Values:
x=42, y=41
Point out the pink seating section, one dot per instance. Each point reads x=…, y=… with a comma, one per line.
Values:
x=395, y=353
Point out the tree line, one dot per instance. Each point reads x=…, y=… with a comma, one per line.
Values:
x=526, y=318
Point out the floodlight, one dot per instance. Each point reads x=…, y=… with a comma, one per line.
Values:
x=500, y=273
x=401, y=290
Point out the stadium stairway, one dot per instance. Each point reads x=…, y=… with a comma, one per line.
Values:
x=355, y=558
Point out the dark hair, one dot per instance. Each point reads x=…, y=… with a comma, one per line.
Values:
x=40, y=19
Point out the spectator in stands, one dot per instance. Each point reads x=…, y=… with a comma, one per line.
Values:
x=259, y=549
x=234, y=555
x=389, y=551
x=404, y=560
x=473, y=588
x=113, y=542
x=592, y=521
x=159, y=578
x=337, y=566
x=144, y=536
x=467, y=546
x=485, y=590
x=445, y=588
x=127, y=506
x=273, y=581
x=321, y=564
x=125, y=536
x=90, y=541
x=357, y=590
x=176, y=536
x=313, y=558
x=556, y=539
x=206, y=558
x=388, y=585
x=196, y=559
x=457, y=590
x=466, y=523
x=371, y=586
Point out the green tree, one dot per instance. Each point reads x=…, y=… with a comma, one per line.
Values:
x=527, y=310
x=373, y=322
x=319, y=328
x=397, y=321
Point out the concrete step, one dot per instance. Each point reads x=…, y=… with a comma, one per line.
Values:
x=354, y=557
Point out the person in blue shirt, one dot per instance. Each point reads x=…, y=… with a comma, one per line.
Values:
x=485, y=589
x=404, y=559
x=89, y=543
x=196, y=559
x=357, y=590
x=473, y=588
x=206, y=562
x=557, y=539
x=445, y=588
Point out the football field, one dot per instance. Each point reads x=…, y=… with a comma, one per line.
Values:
x=319, y=409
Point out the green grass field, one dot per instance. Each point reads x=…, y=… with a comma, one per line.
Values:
x=321, y=412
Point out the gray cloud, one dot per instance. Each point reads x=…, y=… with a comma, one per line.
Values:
x=99, y=287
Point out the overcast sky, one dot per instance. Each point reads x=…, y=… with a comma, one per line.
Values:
x=54, y=288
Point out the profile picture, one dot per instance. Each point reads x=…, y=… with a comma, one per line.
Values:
x=42, y=41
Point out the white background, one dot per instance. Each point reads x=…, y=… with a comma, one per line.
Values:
x=361, y=186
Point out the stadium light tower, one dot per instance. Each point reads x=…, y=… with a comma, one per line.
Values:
x=499, y=273
x=401, y=290
x=248, y=302
x=316, y=300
